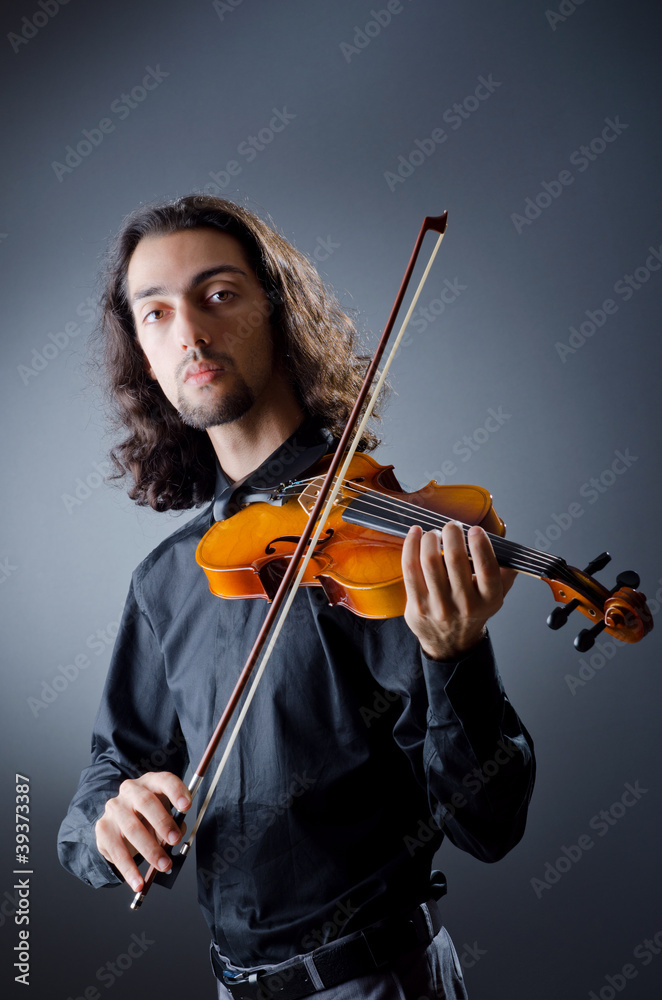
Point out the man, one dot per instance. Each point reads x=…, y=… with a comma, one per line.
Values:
x=233, y=370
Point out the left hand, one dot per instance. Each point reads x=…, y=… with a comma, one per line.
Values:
x=448, y=601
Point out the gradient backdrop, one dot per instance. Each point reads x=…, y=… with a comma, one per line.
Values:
x=532, y=368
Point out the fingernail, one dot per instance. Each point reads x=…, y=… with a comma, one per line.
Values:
x=182, y=804
x=136, y=885
x=173, y=837
x=163, y=864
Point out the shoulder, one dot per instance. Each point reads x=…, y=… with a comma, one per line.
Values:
x=174, y=556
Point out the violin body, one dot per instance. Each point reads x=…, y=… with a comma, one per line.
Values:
x=357, y=559
x=357, y=566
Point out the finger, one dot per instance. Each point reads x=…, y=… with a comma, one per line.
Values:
x=412, y=572
x=458, y=566
x=120, y=835
x=127, y=830
x=172, y=793
x=115, y=849
x=145, y=798
x=168, y=784
x=435, y=573
x=486, y=568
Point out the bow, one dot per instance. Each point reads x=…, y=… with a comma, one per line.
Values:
x=286, y=592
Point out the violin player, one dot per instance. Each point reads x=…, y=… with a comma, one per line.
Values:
x=232, y=369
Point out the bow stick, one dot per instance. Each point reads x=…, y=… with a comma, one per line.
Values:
x=286, y=592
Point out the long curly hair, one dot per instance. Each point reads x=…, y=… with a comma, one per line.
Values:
x=173, y=465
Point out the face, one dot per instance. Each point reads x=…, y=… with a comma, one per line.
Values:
x=202, y=321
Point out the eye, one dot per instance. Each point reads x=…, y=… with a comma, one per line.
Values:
x=222, y=295
x=153, y=316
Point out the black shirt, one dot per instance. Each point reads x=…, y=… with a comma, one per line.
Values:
x=357, y=755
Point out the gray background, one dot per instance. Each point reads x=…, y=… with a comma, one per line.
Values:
x=66, y=562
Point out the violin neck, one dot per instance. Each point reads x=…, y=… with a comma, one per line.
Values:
x=361, y=511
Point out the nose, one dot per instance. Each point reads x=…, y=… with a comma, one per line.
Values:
x=190, y=330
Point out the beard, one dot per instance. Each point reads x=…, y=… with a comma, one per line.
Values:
x=214, y=411
x=202, y=415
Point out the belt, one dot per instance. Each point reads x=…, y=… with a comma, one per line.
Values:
x=368, y=951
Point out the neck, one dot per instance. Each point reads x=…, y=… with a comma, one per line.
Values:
x=244, y=444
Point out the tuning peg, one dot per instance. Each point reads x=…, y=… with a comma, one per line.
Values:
x=598, y=563
x=587, y=637
x=628, y=578
x=559, y=616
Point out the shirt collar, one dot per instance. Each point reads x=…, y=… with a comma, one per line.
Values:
x=302, y=449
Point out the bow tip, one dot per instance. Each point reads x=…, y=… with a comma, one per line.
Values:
x=436, y=222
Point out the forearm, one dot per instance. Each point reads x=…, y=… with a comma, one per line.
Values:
x=478, y=756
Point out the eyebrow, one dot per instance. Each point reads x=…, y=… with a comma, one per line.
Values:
x=197, y=279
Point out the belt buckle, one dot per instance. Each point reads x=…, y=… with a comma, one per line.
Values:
x=237, y=979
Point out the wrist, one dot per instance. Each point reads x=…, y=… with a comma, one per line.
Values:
x=454, y=649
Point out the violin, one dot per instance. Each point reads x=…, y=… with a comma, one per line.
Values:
x=357, y=558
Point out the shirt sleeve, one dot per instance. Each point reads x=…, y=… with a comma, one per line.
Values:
x=478, y=757
x=136, y=730
x=465, y=742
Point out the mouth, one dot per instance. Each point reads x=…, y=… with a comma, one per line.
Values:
x=202, y=373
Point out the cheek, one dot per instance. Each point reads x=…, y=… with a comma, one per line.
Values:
x=260, y=349
x=158, y=369
x=153, y=363
x=145, y=360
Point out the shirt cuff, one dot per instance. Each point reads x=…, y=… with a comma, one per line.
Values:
x=79, y=854
x=468, y=690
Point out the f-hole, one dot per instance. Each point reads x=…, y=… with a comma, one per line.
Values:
x=270, y=550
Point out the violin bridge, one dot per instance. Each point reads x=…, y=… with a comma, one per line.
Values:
x=308, y=498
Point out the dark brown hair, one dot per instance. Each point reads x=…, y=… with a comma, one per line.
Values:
x=173, y=465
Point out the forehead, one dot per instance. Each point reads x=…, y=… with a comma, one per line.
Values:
x=171, y=260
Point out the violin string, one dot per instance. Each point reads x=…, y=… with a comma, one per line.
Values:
x=530, y=559
x=506, y=553
x=519, y=556
x=431, y=519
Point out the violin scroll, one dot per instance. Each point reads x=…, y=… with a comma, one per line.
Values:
x=621, y=612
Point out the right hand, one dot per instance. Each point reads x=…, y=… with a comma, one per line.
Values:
x=138, y=821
